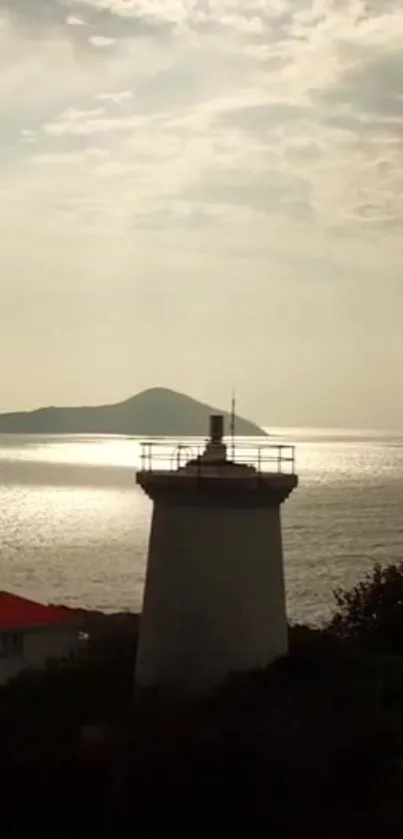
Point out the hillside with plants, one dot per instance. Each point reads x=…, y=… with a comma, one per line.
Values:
x=312, y=744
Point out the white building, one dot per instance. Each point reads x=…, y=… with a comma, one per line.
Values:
x=34, y=636
x=214, y=600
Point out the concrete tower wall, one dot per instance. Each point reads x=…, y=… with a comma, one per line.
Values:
x=214, y=596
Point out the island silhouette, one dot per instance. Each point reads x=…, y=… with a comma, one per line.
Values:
x=157, y=412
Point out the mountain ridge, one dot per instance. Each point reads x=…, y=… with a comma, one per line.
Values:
x=156, y=411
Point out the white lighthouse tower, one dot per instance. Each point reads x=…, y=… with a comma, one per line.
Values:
x=214, y=600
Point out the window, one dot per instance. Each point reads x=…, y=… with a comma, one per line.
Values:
x=11, y=644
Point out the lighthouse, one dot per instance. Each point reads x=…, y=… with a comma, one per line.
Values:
x=214, y=598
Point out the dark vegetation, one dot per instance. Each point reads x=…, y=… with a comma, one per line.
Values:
x=371, y=614
x=311, y=746
x=154, y=412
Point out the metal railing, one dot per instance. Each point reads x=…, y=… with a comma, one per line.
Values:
x=264, y=457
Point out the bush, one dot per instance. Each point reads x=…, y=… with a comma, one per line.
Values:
x=317, y=732
x=371, y=613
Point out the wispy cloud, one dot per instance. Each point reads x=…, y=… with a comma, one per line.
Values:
x=308, y=95
x=101, y=41
x=118, y=97
x=72, y=20
x=227, y=129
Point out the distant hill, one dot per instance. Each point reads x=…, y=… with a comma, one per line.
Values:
x=153, y=412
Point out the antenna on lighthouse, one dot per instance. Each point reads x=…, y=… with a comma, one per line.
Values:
x=232, y=427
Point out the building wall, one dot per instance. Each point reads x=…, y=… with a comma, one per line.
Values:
x=10, y=666
x=214, y=600
x=34, y=649
x=42, y=647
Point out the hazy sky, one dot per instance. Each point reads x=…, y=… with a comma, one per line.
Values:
x=200, y=193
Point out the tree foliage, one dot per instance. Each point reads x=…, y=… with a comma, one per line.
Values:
x=319, y=731
x=371, y=613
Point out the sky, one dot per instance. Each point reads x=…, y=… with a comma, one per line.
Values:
x=204, y=194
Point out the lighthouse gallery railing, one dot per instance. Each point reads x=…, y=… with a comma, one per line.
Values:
x=158, y=455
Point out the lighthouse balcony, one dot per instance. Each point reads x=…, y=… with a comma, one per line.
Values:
x=263, y=473
x=219, y=473
x=261, y=459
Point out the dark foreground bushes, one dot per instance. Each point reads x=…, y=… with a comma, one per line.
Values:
x=312, y=745
x=315, y=739
x=371, y=613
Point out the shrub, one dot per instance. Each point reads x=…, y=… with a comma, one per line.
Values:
x=371, y=613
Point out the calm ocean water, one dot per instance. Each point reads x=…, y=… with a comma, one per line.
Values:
x=74, y=526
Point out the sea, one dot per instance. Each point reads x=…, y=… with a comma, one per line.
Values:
x=74, y=525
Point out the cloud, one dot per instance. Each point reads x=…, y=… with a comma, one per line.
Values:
x=95, y=121
x=72, y=20
x=288, y=112
x=100, y=41
x=118, y=97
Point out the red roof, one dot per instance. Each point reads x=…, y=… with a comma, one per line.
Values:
x=17, y=613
